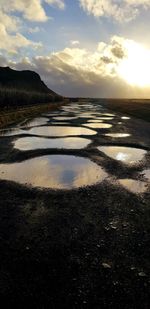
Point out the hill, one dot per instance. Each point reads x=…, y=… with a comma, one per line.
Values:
x=23, y=88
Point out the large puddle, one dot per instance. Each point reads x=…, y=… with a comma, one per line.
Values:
x=124, y=154
x=54, y=171
x=135, y=186
x=60, y=131
x=32, y=143
x=98, y=125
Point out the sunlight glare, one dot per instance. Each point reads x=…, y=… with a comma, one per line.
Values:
x=135, y=68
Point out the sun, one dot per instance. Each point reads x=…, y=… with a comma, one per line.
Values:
x=135, y=68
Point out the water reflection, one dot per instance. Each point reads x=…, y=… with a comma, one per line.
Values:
x=60, y=131
x=125, y=117
x=54, y=171
x=146, y=174
x=124, y=154
x=94, y=120
x=64, y=118
x=117, y=135
x=98, y=125
x=35, y=122
x=105, y=118
x=109, y=115
x=134, y=186
x=11, y=132
x=31, y=143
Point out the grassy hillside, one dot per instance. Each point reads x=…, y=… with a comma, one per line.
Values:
x=20, y=88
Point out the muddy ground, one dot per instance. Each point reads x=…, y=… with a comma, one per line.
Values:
x=81, y=248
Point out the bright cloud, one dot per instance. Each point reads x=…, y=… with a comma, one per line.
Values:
x=74, y=42
x=124, y=10
x=80, y=72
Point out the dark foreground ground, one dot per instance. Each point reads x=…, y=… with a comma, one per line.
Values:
x=85, y=248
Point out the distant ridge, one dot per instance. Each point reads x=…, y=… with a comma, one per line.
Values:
x=23, y=88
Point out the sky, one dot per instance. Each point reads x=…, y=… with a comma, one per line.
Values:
x=88, y=48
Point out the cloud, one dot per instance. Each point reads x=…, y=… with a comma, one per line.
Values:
x=32, y=10
x=80, y=72
x=121, y=11
x=12, y=43
x=74, y=42
x=58, y=3
x=34, y=30
x=11, y=38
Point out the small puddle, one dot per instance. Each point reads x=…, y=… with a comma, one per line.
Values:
x=64, y=118
x=134, y=186
x=124, y=154
x=58, y=123
x=60, y=131
x=110, y=115
x=117, y=135
x=125, y=117
x=146, y=174
x=94, y=120
x=98, y=125
x=35, y=122
x=54, y=171
x=32, y=143
x=105, y=118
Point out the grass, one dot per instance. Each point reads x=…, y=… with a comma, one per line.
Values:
x=8, y=117
x=17, y=105
x=137, y=108
x=11, y=97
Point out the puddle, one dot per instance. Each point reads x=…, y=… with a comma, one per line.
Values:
x=59, y=123
x=146, y=174
x=54, y=171
x=35, y=122
x=64, y=118
x=94, y=120
x=117, y=135
x=105, y=118
x=134, y=186
x=124, y=154
x=60, y=131
x=110, y=115
x=11, y=132
x=32, y=143
x=125, y=117
x=98, y=125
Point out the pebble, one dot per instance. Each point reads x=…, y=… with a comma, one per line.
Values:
x=106, y=265
x=142, y=274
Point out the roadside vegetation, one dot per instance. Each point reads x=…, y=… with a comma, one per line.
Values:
x=11, y=97
x=136, y=108
x=16, y=105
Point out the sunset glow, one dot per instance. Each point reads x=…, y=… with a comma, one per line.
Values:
x=135, y=68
